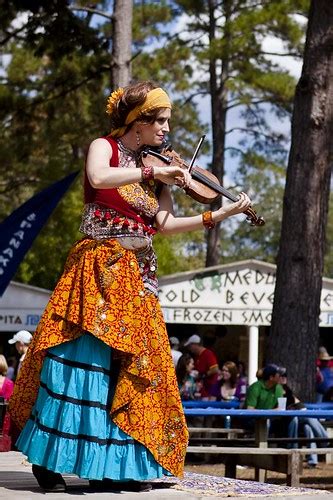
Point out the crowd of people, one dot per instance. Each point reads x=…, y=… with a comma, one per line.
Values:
x=200, y=376
x=9, y=367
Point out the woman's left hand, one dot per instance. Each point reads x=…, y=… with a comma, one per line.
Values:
x=239, y=206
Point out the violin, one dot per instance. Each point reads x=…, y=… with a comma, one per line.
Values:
x=205, y=186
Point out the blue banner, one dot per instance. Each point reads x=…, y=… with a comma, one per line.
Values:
x=18, y=231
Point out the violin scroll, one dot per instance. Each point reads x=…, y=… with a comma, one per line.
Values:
x=253, y=219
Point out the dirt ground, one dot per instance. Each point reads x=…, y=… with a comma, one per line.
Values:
x=320, y=478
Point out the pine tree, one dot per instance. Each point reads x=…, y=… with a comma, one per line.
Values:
x=226, y=40
x=57, y=69
x=294, y=333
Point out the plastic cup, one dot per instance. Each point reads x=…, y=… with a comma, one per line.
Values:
x=282, y=403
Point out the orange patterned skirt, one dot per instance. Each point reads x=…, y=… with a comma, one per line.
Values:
x=101, y=292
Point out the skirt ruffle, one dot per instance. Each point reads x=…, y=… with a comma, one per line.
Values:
x=70, y=429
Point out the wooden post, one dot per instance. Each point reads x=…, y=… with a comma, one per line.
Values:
x=260, y=437
x=295, y=468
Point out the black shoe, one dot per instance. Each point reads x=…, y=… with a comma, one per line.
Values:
x=137, y=486
x=101, y=485
x=110, y=485
x=48, y=480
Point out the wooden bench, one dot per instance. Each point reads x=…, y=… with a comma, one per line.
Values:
x=287, y=461
x=329, y=429
x=229, y=433
x=248, y=440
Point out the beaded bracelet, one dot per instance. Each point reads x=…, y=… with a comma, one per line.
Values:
x=147, y=173
x=207, y=220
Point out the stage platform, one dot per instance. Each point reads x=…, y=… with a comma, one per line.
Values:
x=17, y=482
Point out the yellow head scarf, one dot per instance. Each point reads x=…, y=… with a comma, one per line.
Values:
x=156, y=98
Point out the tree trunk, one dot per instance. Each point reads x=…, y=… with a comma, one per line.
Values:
x=121, y=43
x=294, y=335
x=218, y=94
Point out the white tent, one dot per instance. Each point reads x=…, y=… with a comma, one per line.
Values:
x=240, y=293
x=21, y=307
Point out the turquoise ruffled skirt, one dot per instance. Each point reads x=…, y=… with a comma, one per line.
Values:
x=70, y=430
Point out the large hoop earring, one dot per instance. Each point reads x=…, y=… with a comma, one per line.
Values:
x=138, y=139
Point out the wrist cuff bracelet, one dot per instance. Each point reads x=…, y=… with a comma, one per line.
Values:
x=207, y=220
x=147, y=173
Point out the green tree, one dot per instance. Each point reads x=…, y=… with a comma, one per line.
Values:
x=55, y=79
x=51, y=92
x=226, y=41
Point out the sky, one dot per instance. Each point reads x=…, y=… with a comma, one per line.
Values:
x=269, y=44
x=293, y=66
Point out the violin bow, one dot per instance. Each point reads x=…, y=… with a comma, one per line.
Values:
x=196, y=152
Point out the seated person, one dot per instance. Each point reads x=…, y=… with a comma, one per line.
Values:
x=187, y=383
x=6, y=385
x=264, y=393
x=205, y=362
x=309, y=427
x=231, y=386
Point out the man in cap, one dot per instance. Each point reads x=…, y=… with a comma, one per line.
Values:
x=175, y=353
x=264, y=393
x=21, y=340
x=205, y=362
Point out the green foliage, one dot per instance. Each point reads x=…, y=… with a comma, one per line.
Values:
x=53, y=86
x=178, y=254
x=56, y=77
x=237, y=47
x=52, y=105
x=228, y=42
x=44, y=263
x=267, y=177
x=149, y=19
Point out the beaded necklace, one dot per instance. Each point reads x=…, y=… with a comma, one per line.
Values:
x=127, y=156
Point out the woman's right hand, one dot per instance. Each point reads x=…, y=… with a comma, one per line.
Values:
x=173, y=175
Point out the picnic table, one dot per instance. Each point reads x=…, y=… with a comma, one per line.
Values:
x=200, y=403
x=261, y=456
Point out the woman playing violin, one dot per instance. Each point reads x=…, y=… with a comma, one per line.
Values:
x=97, y=395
